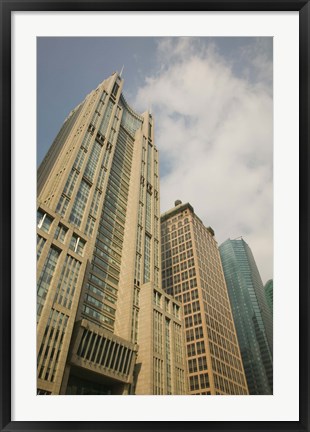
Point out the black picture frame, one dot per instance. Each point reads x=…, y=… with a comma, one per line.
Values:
x=7, y=7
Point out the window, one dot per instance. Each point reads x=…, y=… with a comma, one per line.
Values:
x=188, y=321
x=202, y=363
x=44, y=221
x=204, y=381
x=176, y=310
x=185, y=286
x=167, y=305
x=184, y=275
x=77, y=244
x=200, y=347
x=187, y=309
x=60, y=233
x=191, y=351
x=46, y=277
x=194, y=384
x=190, y=335
x=40, y=244
x=97, y=315
x=192, y=365
x=157, y=298
x=193, y=283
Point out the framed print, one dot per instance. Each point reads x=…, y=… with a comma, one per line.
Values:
x=177, y=127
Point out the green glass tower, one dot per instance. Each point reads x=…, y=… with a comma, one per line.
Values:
x=252, y=316
x=269, y=293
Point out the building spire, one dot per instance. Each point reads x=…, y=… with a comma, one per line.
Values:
x=121, y=71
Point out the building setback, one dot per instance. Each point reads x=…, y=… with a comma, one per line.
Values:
x=98, y=251
x=192, y=273
x=252, y=316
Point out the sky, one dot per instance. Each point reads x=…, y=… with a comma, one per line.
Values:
x=212, y=103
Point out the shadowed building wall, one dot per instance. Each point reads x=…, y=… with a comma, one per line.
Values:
x=192, y=273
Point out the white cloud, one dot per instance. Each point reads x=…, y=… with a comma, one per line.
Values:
x=214, y=133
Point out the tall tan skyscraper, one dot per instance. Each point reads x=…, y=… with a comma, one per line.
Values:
x=192, y=273
x=104, y=324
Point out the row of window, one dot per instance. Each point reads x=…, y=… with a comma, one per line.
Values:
x=194, y=349
x=176, y=259
x=166, y=303
x=200, y=381
x=168, y=284
x=44, y=222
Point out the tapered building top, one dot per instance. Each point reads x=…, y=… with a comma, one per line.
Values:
x=98, y=255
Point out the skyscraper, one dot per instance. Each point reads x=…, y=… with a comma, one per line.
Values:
x=269, y=293
x=192, y=273
x=101, y=328
x=252, y=316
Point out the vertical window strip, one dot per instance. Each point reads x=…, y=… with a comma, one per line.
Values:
x=156, y=277
x=106, y=117
x=46, y=277
x=50, y=330
x=149, y=163
x=40, y=244
x=52, y=349
x=62, y=205
x=140, y=214
x=156, y=253
x=101, y=176
x=139, y=239
x=89, y=229
x=134, y=325
x=79, y=205
x=111, y=136
x=106, y=158
x=147, y=258
x=148, y=213
x=55, y=331
x=58, y=348
x=92, y=162
x=86, y=140
x=168, y=360
x=95, y=203
x=156, y=207
x=67, y=282
x=137, y=269
x=79, y=159
x=95, y=118
x=70, y=183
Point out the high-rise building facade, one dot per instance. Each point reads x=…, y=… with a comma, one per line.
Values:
x=192, y=273
x=98, y=251
x=269, y=294
x=252, y=316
